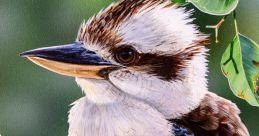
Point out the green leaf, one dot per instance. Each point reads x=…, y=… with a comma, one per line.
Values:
x=215, y=7
x=180, y=2
x=240, y=64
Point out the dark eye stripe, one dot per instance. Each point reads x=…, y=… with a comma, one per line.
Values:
x=167, y=67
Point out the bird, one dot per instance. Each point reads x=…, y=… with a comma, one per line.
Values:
x=142, y=65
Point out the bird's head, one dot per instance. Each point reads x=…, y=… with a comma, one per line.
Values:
x=146, y=49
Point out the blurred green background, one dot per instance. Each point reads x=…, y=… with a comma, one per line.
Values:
x=35, y=102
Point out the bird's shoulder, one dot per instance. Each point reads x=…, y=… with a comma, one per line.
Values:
x=215, y=116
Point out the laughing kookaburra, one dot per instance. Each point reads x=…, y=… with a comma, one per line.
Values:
x=142, y=66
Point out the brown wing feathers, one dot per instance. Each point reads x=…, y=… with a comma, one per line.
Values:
x=214, y=117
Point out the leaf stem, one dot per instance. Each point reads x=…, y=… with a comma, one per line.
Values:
x=235, y=22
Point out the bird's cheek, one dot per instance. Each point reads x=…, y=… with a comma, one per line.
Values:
x=127, y=81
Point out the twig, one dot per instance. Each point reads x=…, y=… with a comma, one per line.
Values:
x=217, y=27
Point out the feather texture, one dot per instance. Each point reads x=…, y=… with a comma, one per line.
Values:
x=215, y=116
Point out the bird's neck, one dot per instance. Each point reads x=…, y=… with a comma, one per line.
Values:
x=106, y=111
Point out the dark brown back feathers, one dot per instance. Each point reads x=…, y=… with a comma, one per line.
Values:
x=214, y=117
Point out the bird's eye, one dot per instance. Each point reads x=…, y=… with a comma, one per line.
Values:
x=126, y=55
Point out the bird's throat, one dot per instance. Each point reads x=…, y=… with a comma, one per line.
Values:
x=99, y=91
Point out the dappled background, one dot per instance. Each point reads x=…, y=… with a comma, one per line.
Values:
x=35, y=102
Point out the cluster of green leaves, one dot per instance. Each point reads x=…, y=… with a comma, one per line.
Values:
x=240, y=61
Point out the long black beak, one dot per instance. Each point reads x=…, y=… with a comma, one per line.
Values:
x=70, y=60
